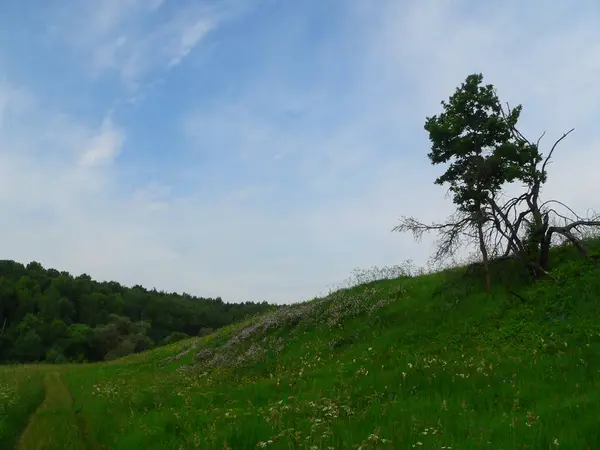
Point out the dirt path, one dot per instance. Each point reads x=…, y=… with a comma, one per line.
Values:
x=54, y=425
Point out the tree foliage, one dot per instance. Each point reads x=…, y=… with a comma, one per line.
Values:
x=476, y=138
x=47, y=315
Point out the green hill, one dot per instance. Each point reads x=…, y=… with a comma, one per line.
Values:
x=431, y=362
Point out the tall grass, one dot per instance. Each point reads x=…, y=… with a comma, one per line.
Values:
x=21, y=392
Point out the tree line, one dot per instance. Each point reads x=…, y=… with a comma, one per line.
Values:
x=52, y=316
x=477, y=138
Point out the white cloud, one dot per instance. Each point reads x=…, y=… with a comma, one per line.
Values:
x=135, y=38
x=188, y=38
x=542, y=56
x=419, y=53
x=104, y=147
x=295, y=205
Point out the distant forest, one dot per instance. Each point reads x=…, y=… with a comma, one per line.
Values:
x=52, y=316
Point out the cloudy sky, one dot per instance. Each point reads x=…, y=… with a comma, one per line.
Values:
x=262, y=149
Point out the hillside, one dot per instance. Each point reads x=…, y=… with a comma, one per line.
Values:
x=52, y=316
x=429, y=361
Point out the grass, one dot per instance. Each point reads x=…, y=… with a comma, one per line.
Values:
x=54, y=425
x=427, y=362
x=21, y=392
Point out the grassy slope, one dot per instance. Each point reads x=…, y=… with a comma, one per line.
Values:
x=430, y=362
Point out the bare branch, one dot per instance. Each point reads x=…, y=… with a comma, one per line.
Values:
x=449, y=233
x=553, y=148
x=516, y=133
x=565, y=218
x=562, y=204
x=579, y=223
x=416, y=227
x=537, y=267
x=537, y=144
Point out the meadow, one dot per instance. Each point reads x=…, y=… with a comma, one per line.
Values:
x=427, y=361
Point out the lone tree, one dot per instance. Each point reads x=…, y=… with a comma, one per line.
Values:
x=484, y=152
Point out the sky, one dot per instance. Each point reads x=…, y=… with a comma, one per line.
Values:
x=263, y=149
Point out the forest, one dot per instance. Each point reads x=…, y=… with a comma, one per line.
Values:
x=55, y=317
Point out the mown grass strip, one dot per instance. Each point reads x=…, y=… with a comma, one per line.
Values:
x=54, y=425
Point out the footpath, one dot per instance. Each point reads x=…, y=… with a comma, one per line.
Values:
x=54, y=426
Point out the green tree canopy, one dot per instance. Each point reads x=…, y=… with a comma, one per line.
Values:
x=46, y=314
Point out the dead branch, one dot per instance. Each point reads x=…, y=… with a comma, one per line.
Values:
x=515, y=132
x=537, y=144
x=414, y=226
x=579, y=223
x=565, y=218
x=507, y=228
x=563, y=205
x=449, y=233
x=518, y=296
x=553, y=148
x=566, y=232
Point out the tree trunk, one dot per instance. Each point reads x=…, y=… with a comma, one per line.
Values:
x=484, y=256
x=545, y=250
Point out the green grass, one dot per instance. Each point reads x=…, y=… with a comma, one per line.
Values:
x=21, y=392
x=54, y=425
x=431, y=362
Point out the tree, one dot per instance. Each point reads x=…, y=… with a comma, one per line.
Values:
x=485, y=152
x=474, y=136
x=29, y=346
x=79, y=341
x=48, y=314
x=174, y=337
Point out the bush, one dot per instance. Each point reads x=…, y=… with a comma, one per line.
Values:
x=125, y=347
x=55, y=356
x=175, y=337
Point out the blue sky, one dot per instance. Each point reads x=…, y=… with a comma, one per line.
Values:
x=262, y=149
